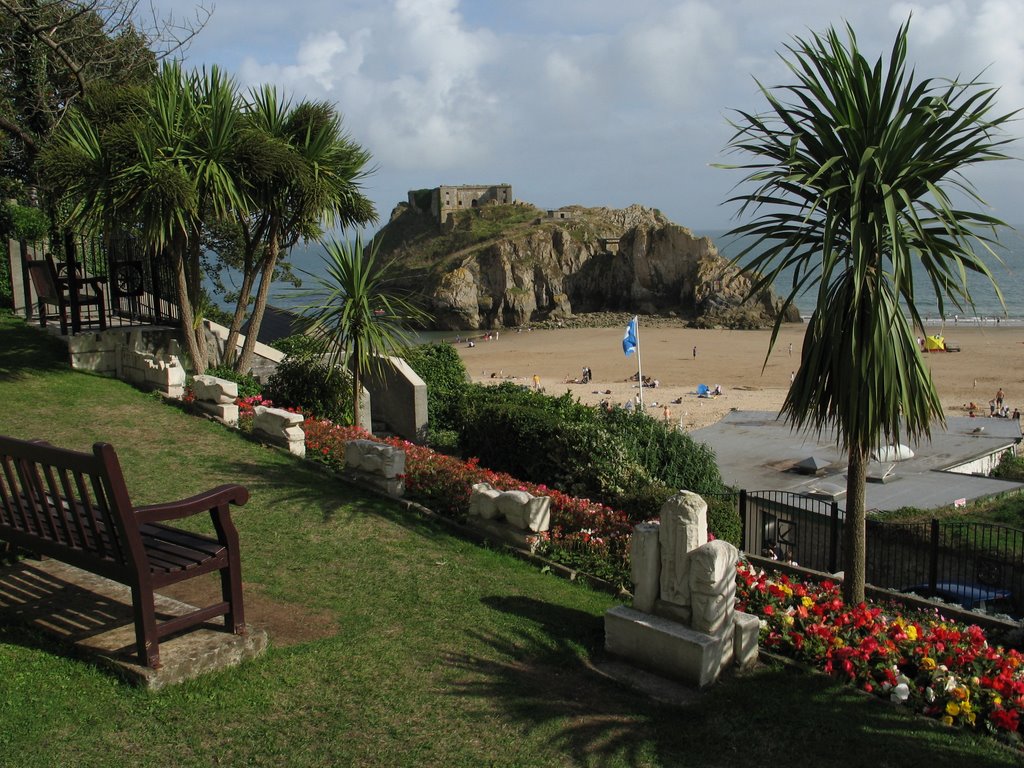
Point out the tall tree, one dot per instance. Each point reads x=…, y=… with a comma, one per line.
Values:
x=858, y=181
x=164, y=171
x=54, y=52
x=305, y=173
x=355, y=312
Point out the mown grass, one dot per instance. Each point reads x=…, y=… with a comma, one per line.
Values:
x=443, y=653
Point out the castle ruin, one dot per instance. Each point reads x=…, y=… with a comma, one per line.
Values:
x=445, y=200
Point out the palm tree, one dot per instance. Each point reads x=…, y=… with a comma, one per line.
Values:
x=858, y=174
x=356, y=316
x=164, y=169
x=306, y=173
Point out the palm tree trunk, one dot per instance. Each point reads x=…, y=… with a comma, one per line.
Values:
x=854, y=527
x=259, y=307
x=186, y=314
x=357, y=384
x=244, y=292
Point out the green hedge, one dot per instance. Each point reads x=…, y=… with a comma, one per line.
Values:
x=444, y=373
x=625, y=459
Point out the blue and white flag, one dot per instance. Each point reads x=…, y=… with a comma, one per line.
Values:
x=629, y=341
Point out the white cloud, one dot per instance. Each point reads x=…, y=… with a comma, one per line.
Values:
x=594, y=101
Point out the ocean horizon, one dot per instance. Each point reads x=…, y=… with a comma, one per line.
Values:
x=1009, y=275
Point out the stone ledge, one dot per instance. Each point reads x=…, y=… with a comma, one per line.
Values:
x=92, y=616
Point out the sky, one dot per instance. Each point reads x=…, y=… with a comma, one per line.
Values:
x=589, y=102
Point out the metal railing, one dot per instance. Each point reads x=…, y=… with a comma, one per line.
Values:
x=808, y=531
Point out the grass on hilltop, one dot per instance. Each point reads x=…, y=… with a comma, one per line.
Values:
x=438, y=652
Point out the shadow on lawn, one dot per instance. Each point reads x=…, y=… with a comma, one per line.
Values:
x=28, y=349
x=304, y=484
x=541, y=674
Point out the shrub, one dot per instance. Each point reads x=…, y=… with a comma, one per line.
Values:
x=297, y=345
x=1011, y=467
x=444, y=373
x=247, y=384
x=627, y=460
x=309, y=385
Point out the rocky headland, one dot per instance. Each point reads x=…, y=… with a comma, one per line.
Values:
x=501, y=266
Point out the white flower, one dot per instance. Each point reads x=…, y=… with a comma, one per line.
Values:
x=929, y=695
x=900, y=693
x=951, y=684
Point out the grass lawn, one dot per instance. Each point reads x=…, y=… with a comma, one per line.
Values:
x=422, y=649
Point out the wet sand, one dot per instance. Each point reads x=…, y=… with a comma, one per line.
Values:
x=991, y=357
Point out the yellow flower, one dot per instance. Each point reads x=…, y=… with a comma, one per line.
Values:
x=806, y=601
x=837, y=642
x=952, y=708
x=787, y=620
x=911, y=631
x=946, y=720
x=928, y=663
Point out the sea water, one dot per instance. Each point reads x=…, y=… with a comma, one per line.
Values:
x=1007, y=271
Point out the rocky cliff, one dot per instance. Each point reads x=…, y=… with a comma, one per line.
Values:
x=506, y=266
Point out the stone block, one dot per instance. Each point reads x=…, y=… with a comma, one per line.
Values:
x=375, y=458
x=745, y=639
x=519, y=508
x=377, y=464
x=213, y=390
x=667, y=647
x=645, y=560
x=222, y=412
x=684, y=527
x=280, y=427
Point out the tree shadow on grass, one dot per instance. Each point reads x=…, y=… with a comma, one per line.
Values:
x=24, y=349
x=334, y=500
x=541, y=675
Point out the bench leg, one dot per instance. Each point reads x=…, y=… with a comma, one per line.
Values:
x=231, y=593
x=146, y=640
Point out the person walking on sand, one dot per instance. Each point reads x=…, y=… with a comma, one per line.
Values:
x=999, y=398
x=791, y=349
x=536, y=382
x=695, y=352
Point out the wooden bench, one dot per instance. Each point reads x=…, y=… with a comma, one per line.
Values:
x=74, y=507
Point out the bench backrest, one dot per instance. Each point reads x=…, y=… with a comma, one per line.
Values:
x=70, y=505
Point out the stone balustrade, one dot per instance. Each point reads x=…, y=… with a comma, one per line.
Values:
x=683, y=622
x=377, y=464
x=280, y=427
x=216, y=398
x=519, y=508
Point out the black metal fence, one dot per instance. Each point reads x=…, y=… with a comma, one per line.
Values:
x=808, y=531
x=139, y=283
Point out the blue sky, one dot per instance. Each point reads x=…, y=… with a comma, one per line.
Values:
x=592, y=102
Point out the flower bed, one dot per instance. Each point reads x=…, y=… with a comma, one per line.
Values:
x=584, y=534
x=940, y=668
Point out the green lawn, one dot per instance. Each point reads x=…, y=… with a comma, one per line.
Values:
x=440, y=652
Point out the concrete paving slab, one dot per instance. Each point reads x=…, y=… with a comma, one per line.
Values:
x=92, y=616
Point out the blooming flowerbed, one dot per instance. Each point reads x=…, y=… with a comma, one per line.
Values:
x=940, y=668
x=584, y=534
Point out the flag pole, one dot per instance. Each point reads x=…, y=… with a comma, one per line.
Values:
x=639, y=370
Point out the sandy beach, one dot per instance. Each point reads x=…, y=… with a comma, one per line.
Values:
x=990, y=358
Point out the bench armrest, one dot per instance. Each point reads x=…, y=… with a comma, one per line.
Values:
x=210, y=501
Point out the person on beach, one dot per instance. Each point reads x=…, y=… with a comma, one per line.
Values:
x=695, y=352
x=999, y=398
x=536, y=382
x=791, y=349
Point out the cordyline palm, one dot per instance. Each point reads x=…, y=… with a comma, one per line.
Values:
x=305, y=174
x=162, y=169
x=354, y=313
x=853, y=169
